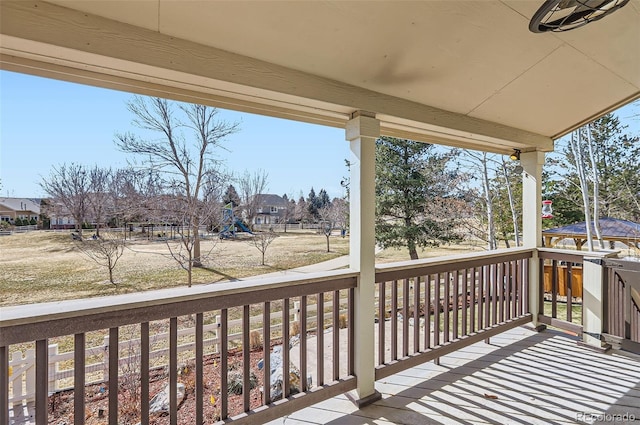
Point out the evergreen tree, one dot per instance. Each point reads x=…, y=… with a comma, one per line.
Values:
x=313, y=204
x=231, y=196
x=415, y=195
x=618, y=168
x=323, y=199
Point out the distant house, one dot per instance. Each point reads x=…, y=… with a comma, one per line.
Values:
x=271, y=209
x=22, y=208
x=59, y=216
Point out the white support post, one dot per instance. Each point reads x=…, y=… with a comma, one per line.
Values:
x=593, y=275
x=362, y=131
x=532, y=163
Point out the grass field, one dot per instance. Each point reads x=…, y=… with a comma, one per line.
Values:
x=47, y=266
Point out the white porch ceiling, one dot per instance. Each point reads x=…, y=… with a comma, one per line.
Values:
x=466, y=73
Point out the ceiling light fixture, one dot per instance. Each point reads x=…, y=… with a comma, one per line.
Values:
x=565, y=15
x=515, y=156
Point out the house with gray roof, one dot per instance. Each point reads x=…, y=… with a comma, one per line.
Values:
x=22, y=208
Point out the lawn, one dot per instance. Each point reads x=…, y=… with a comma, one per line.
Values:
x=46, y=266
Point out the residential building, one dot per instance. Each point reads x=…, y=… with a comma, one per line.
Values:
x=22, y=208
x=271, y=209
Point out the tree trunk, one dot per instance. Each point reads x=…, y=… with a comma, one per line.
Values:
x=514, y=215
x=596, y=188
x=196, y=247
x=413, y=252
x=327, y=243
x=576, y=148
x=487, y=198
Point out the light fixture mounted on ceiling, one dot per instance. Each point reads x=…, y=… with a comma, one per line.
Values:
x=565, y=15
x=515, y=156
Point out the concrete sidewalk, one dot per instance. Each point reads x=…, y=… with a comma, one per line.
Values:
x=334, y=264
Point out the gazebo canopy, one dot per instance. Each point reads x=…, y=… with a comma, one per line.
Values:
x=612, y=229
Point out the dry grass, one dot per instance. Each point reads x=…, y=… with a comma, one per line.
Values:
x=391, y=255
x=46, y=266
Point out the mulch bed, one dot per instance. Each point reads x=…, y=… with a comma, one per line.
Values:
x=96, y=402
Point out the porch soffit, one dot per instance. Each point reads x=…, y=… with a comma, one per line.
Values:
x=459, y=73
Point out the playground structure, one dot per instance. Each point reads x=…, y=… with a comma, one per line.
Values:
x=231, y=224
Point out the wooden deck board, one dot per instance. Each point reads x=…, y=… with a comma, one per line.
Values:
x=543, y=378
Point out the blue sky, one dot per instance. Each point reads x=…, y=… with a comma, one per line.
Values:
x=46, y=122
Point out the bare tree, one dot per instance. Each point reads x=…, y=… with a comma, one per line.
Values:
x=595, y=182
x=577, y=150
x=479, y=161
x=100, y=181
x=327, y=222
x=69, y=185
x=512, y=203
x=262, y=240
x=185, y=166
x=251, y=186
x=104, y=250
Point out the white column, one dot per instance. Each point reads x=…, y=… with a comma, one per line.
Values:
x=593, y=276
x=362, y=131
x=532, y=163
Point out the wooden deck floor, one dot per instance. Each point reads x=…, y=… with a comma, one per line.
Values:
x=522, y=377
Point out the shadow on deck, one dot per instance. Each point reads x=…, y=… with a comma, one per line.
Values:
x=522, y=377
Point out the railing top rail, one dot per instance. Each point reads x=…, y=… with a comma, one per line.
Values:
x=45, y=320
x=572, y=254
x=453, y=262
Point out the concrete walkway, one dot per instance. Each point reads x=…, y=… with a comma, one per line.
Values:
x=334, y=264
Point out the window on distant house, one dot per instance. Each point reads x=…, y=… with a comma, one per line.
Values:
x=274, y=209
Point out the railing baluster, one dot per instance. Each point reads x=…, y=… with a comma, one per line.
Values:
x=427, y=312
x=113, y=376
x=494, y=295
x=569, y=294
x=224, y=364
x=286, y=376
x=554, y=289
x=266, y=352
x=352, y=330
x=405, y=318
x=42, y=377
x=303, y=343
x=486, y=270
x=474, y=301
x=436, y=311
x=246, y=359
x=4, y=384
x=320, y=339
x=502, y=287
x=481, y=295
x=382, y=300
x=144, y=373
x=465, y=301
x=525, y=285
x=78, y=378
x=540, y=289
x=336, y=335
x=519, y=284
x=456, y=304
x=173, y=371
x=416, y=315
x=394, y=320
x=199, y=369
x=514, y=293
x=447, y=305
